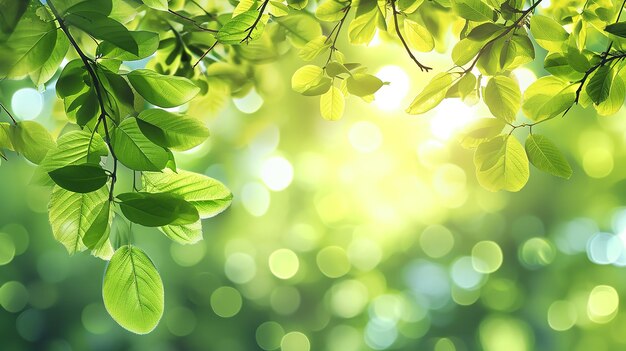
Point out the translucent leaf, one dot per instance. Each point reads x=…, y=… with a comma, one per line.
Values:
x=599, y=84
x=501, y=164
x=314, y=48
x=544, y=155
x=306, y=77
x=361, y=84
x=362, y=29
x=134, y=150
x=473, y=10
x=548, y=97
x=330, y=11
x=239, y=28
x=133, y=291
x=418, y=36
x=74, y=147
x=332, y=104
x=432, y=94
x=71, y=214
x=162, y=90
x=503, y=97
x=548, y=33
x=32, y=140
x=156, y=4
x=171, y=130
x=480, y=131
x=208, y=195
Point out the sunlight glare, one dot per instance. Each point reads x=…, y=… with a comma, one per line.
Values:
x=451, y=116
x=389, y=97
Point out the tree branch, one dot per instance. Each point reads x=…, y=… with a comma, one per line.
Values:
x=98, y=87
x=422, y=67
x=8, y=113
x=256, y=21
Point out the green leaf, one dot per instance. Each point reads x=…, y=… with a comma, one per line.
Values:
x=306, y=77
x=314, y=48
x=160, y=5
x=465, y=50
x=362, y=29
x=548, y=33
x=32, y=140
x=480, y=131
x=44, y=73
x=361, y=84
x=183, y=234
x=157, y=209
x=12, y=11
x=473, y=10
x=501, y=164
x=105, y=28
x=97, y=235
x=599, y=85
x=332, y=104
x=615, y=100
x=83, y=178
x=297, y=4
x=133, y=291
x=29, y=45
x=147, y=44
x=330, y=11
x=544, y=155
x=161, y=90
x=300, y=29
x=171, y=130
x=418, y=36
x=74, y=147
x=208, y=195
x=235, y=31
x=618, y=29
x=548, y=97
x=134, y=150
x=335, y=68
x=72, y=214
x=432, y=94
x=320, y=88
x=503, y=97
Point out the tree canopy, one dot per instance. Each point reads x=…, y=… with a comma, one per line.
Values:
x=131, y=74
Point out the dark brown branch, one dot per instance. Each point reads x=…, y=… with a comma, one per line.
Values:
x=98, y=87
x=337, y=27
x=395, y=12
x=8, y=113
x=204, y=54
x=256, y=21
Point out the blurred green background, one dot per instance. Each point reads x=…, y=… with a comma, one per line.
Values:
x=370, y=233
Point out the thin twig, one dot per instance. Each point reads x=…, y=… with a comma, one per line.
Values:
x=192, y=21
x=97, y=85
x=337, y=27
x=8, y=113
x=256, y=21
x=204, y=54
x=395, y=12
